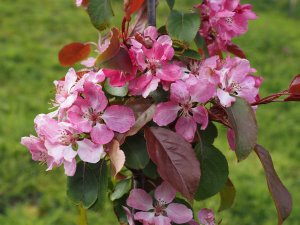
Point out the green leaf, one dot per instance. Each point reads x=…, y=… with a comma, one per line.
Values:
x=183, y=26
x=199, y=41
x=121, y=189
x=101, y=171
x=119, y=210
x=209, y=135
x=191, y=54
x=214, y=169
x=135, y=151
x=83, y=186
x=243, y=122
x=115, y=91
x=227, y=195
x=171, y=3
x=101, y=13
x=151, y=170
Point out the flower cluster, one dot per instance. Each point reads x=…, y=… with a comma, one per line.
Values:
x=223, y=20
x=82, y=124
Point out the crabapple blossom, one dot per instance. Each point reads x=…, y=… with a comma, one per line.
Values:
x=206, y=217
x=182, y=101
x=153, y=56
x=91, y=114
x=161, y=211
x=222, y=20
x=236, y=80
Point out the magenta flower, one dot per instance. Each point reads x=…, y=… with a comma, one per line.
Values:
x=152, y=57
x=222, y=20
x=91, y=114
x=185, y=105
x=236, y=80
x=118, y=78
x=161, y=211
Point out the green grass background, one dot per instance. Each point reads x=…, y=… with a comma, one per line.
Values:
x=31, y=34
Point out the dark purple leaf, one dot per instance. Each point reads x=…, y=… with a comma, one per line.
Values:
x=280, y=195
x=175, y=160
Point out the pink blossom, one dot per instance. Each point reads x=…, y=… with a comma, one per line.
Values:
x=61, y=138
x=161, y=211
x=206, y=217
x=79, y=2
x=153, y=57
x=37, y=148
x=222, y=20
x=118, y=78
x=236, y=80
x=67, y=90
x=183, y=102
x=91, y=114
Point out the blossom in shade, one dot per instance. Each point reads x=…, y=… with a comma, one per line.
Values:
x=183, y=103
x=223, y=20
x=206, y=217
x=236, y=80
x=152, y=56
x=161, y=211
x=91, y=114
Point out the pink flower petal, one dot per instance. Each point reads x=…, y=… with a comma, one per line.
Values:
x=224, y=97
x=151, y=32
x=169, y=72
x=146, y=218
x=129, y=216
x=166, y=113
x=89, y=62
x=179, y=213
x=101, y=134
x=200, y=115
x=162, y=220
x=165, y=193
x=180, y=92
x=119, y=118
x=76, y=117
x=95, y=96
x=186, y=127
x=152, y=86
x=90, y=152
x=140, y=199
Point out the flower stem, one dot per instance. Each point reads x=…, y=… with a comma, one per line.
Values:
x=151, y=9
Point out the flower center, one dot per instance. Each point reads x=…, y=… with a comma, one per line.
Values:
x=159, y=208
x=67, y=138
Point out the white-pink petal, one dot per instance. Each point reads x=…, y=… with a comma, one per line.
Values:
x=180, y=92
x=225, y=99
x=162, y=220
x=70, y=167
x=146, y=218
x=200, y=115
x=90, y=152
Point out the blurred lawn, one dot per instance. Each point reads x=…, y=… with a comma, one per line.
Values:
x=31, y=34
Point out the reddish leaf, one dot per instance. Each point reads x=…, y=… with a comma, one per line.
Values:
x=294, y=98
x=117, y=157
x=236, y=50
x=175, y=160
x=295, y=85
x=243, y=122
x=140, y=21
x=131, y=6
x=73, y=53
x=280, y=195
x=112, y=49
